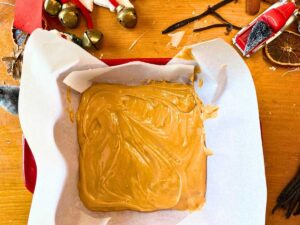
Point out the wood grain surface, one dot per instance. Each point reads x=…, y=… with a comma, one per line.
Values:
x=278, y=94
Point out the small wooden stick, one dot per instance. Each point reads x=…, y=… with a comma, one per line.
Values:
x=252, y=6
x=198, y=17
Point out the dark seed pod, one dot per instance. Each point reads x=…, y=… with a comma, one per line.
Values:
x=289, y=198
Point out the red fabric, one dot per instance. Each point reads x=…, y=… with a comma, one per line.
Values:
x=28, y=15
x=114, y=3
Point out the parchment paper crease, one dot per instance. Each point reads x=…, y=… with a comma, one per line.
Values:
x=236, y=192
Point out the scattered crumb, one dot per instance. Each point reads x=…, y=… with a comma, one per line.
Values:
x=208, y=152
x=197, y=69
x=273, y=68
x=200, y=83
x=210, y=111
x=176, y=38
x=136, y=41
x=101, y=56
x=193, y=13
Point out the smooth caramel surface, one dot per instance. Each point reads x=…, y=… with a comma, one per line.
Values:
x=141, y=147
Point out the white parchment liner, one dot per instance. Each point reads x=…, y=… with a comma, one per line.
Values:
x=236, y=181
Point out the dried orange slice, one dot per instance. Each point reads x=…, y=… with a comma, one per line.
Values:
x=285, y=50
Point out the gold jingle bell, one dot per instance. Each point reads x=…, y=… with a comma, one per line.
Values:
x=92, y=39
x=126, y=16
x=52, y=7
x=69, y=16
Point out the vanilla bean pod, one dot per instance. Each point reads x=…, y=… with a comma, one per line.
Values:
x=297, y=211
x=192, y=19
x=228, y=26
x=290, y=188
x=292, y=205
x=289, y=198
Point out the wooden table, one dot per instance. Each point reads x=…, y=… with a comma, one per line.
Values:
x=278, y=96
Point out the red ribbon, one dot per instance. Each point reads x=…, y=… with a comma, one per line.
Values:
x=114, y=3
x=28, y=15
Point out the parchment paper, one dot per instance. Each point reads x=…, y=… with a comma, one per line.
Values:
x=236, y=192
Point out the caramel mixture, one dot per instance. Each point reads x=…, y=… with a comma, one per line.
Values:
x=141, y=148
x=69, y=108
x=197, y=69
x=200, y=83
